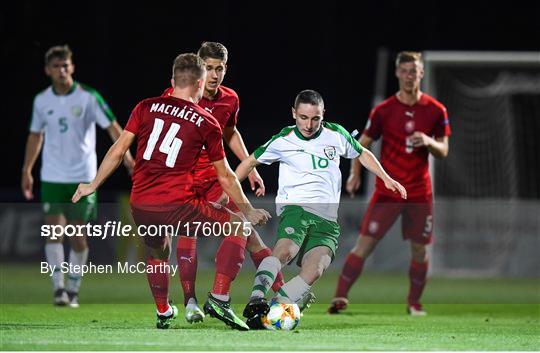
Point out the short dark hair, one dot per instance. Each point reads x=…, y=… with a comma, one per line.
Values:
x=213, y=50
x=187, y=69
x=409, y=56
x=58, y=51
x=308, y=96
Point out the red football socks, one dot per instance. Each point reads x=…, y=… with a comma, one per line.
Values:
x=351, y=270
x=229, y=261
x=158, y=279
x=417, y=276
x=186, y=256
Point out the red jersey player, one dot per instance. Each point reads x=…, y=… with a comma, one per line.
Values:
x=171, y=132
x=412, y=125
x=223, y=103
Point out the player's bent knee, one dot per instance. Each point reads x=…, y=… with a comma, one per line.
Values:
x=285, y=250
x=322, y=265
x=364, y=246
x=158, y=253
x=78, y=243
x=310, y=275
x=158, y=245
x=284, y=255
x=315, y=264
x=419, y=256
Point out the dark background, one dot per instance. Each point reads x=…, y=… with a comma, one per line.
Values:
x=125, y=51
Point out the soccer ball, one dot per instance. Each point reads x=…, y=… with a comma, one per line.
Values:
x=282, y=316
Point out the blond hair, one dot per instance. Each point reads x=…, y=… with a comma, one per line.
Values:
x=409, y=56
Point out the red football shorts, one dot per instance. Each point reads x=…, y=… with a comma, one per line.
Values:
x=183, y=220
x=416, y=217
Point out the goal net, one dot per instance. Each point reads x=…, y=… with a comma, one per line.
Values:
x=488, y=188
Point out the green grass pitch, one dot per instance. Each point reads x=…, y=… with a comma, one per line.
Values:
x=116, y=314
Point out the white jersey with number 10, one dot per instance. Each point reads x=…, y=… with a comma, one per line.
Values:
x=309, y=174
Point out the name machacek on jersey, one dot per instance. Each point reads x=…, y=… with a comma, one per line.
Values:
x=185, y=113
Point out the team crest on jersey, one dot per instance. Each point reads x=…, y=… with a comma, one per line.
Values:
x=289, y=230
x=330, y=152
x=76, y=110
x=409, y=126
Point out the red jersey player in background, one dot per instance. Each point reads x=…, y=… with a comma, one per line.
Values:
x=412, y=125
x=223, y=103
x=171, y=132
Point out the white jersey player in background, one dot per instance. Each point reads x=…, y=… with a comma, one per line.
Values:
x=307, y=200
x=64, y=115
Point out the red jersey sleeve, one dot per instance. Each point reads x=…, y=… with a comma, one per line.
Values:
x=374, y=125
x=233, y=118
x=443, y=125
x=134, y=121
x=214, y=142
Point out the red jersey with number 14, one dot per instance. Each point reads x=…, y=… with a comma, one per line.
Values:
x=170, y=135
x=224, y=107
x=396, y=122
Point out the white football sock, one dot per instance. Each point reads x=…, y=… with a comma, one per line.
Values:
x=54, y=254
x=265, y=276
x=191, y=302
x=74, y=277
x=293, y=291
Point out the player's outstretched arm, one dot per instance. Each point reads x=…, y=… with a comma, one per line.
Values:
x=230, y=184
x=235, y=142
x=33, y=147
x=369, y=161
x=355, y=177
x=244, y=169
x=110, y=162
x=115, y=130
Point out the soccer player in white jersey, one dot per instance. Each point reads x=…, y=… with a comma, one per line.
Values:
x=307, y=200
x=64, y=115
